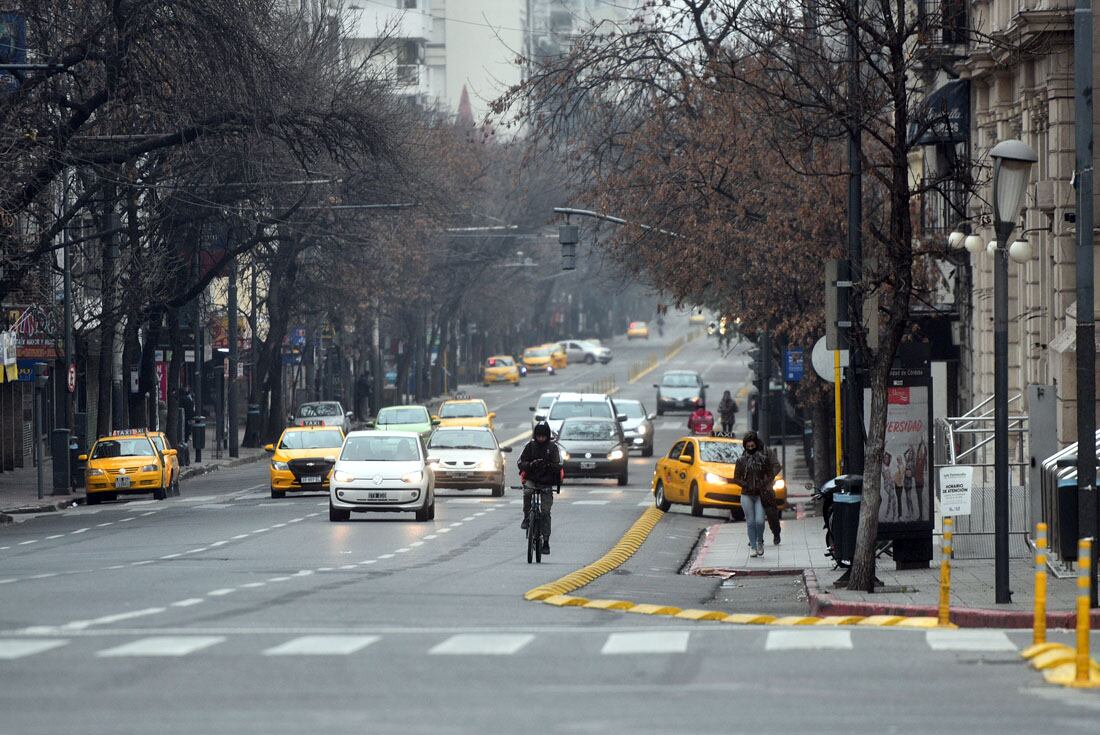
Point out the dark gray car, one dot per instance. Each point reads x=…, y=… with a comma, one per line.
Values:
x=680, y=390
x=593, y=447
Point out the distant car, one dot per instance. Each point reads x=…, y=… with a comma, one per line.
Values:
x=580, y=405
x=323, y=413
x=384, y=471
x=638, y=427
x=500, y=369
x=538, y=359
x=593, y=447
x=699, y=472
x=558, y=358
x=126, y=462
x=302, y=459
x=637, y=330
x=542, y=407
x=404, y=418
x=467, y=458
x=680, y=390
x=697, y=316
x=465, y=412
x=586, y=351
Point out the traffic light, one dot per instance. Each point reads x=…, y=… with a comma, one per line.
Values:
x=568, y=236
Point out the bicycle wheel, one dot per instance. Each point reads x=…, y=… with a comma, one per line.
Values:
x=532, y=538
x=538, y=543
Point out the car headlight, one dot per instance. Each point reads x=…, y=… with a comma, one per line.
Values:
x=341, y=476
x=615, y=454
x=94, y=472
x=487, y=464
x=149, y=468
x=412, y=477
x=779, y=484
x=641, y=430
x=714, y=479
x=279, y=466
x=695, y=399
x=564, y=454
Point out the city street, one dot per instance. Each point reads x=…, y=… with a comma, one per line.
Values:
x=224, y=611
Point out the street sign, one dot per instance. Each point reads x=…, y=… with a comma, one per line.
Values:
x=188, y=355
x=822, y=360
x=793, y=367
x=70, y=378
x=955, y=485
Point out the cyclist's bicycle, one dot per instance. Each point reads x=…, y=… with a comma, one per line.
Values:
x=534, y=525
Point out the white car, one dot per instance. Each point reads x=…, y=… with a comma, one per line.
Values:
x=323, y=413
x=542, y=407
x=467, y=458
x=384, y=471
x=580, y=405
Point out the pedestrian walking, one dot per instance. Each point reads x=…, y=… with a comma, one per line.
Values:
x=727, y=412
x=754, y=472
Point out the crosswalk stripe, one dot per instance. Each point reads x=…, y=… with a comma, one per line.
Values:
x=485, y=644
x=969, y=640
x=646, y=642
x=808, y=640
x=163, y=646
x=590, y=502
x=13, y=648
x=322, y=645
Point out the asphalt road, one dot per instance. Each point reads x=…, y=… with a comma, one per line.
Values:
x=223, y=611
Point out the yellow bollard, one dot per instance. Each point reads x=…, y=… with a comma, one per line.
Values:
x=944, y=618
x=1083, y=673
x=1039, y=634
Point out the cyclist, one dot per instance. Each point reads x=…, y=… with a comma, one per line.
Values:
x=540, y=464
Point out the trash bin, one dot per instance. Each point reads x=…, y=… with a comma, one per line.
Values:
x=198, y=436
x=76, y=467
x=1067, y=519
x=59, y=452
x=844, y=523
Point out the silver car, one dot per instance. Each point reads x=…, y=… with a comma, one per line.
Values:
x=582, y=350
x=382, y=471
x=638, y=427
x=542, y=407
x=323, y=413
x=467, y=458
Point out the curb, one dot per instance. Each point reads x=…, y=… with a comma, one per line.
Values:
x=823, y=603
x=204, y=469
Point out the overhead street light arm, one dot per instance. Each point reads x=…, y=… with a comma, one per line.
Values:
x=611, y=218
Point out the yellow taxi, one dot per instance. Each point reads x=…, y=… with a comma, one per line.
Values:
x=160, y=441
x=465, y=412
x=500, y=369
x=538, y=359
x=558, y=358
x=637, y=330
x=699, y=472
x=124, y=463
x=697, y=316
x=302, y=459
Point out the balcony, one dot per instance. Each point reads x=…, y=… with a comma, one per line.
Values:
x=371, y=20
x=942, y=208
x=943, y=27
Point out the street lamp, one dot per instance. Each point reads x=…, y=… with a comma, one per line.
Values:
x=955, y=239
x=1012, y=161
x=974, y=244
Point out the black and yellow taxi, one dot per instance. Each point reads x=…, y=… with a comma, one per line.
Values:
x=127, y=462
x=538, y=359
x=302, y=459
x=500, y=369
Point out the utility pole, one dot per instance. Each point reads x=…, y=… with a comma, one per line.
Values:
x=849, y=311
x=199, y=428
x=1088, y=511
x=765, y=386
x=70, y=348
x=231, y=389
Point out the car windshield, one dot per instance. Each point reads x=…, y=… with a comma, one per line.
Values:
x=462, y=411
x=680, y=380
x=107, y=448
x=380, y=449
x=536, y=352
x=158, y=442
x=313, y=410
x=444, y=439
x=721, y=452
x=632, y=409
x=311, y=440
x=592, y=431
x=410, y=415
x=583, y=409
x=637, y=325
x=546, y=400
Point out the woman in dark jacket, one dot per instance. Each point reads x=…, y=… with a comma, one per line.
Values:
x=727, y=412
x=754, y=472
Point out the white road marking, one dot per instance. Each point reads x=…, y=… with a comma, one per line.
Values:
x=117, y=566
x=483, y=644
x=6, y=581
x=221, y=592
x=324, y=569
x=430, y=536
x=295, y=520
x=644, y=504
x=25, y=543
x=141, y=563
x=444, y=530
x=188, y=602
x=322, y=645
x=163, y=646
x=369, y=561
x=171, y=556
x=278, y=579
x=116, y=618
x=240, y=536
x=56, y=535
x=253, y=585
x=302, y=573
x=969, y=640
x=46, y=575
x=604, y=492
x=279, y=525
x=808, y=640
x=590, y=502
x=348, y=566
x=467, y=519
x=456, y=524
x=11, y=649
x=386, y=556
x=646, y=642
x=79, y=530
x=401, y=551
x=416, y=543
x=196, y=551
x=127, y=520
x=149, y=513
x=101, y=525
x=261, y=530
x=218, y=543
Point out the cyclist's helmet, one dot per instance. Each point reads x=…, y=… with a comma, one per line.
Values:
x=541, y=429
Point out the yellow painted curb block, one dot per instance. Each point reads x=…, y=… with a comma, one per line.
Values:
x=537, y=595
x=881, y=620
x=692, y=614
x=1066, y=675
x=925, y=623
x=796, y=620
x=649, y=609
x=565, y=601
x=1054, y=657
x=608, y=604
x=1038, y=648
x=748, y=619
x=840, y=620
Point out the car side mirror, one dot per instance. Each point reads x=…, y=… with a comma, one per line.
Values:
x=433, y=460
x=539, y=417
x=435, y=421
x=169, y=453
x=82, y=457
x=492, y=414
x=269, y=447
x=621, y=417
x=706, y=385
x=656, y=386
x=687, y=459
x=530, y=408
x=370, y=424
x=651, y=417
x=507, y=450
x=350, y=414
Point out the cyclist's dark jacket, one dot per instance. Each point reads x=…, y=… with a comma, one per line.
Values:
x=546, y=473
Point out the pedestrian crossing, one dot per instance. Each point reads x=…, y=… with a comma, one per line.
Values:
x=655, y=642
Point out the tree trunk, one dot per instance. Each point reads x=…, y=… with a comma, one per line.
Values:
x=175, y=368
x=821, y=413
x=108, y=316
x=131, y=357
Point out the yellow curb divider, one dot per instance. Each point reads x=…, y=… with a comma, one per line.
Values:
x=608, y=604
x=924, y=623
x=646, y=608
x=796, y=620
x=881, y=620
x=840, y=620
x=749, y=619
x=1034, y=650
x=701, y=615
x=565, y=601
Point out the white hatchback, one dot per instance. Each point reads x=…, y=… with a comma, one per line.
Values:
x=384, y=471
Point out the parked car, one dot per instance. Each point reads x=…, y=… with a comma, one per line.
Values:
x=680, y=390
x=124, y=463
x=638, y=427
x=699, y=472
x=467, y=458
x=385, y=471
x=171, y=460
x=580, y=405
x=637, y=330
x=404, y=418
x=586, y=351
x=323, y=413
x=594, y=447
x=302, y=459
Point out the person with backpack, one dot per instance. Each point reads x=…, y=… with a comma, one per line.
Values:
x=727, y=412
x=754, y=471
x=540, y=465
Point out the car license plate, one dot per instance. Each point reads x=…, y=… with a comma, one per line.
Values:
x=311, y=480
x=588, y=465
x=460, y=475
x=374, y=495
x=123, y=481
x=313, y=422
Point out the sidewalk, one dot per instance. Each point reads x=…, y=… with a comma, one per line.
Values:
x=19, y=489
x=724, y=552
